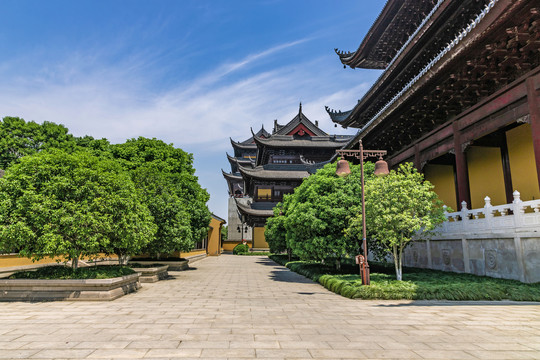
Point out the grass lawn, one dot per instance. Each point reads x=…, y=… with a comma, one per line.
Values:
x=64, y=272
x=417, y=284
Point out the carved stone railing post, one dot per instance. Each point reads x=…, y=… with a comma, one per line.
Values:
x=517, y=208
x=464, y=215
x=487, y=211
x=445, y=224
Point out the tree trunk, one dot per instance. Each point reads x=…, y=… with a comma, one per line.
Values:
x=338, y=264
x=289, y=252
x=397, y=263
x=122, y=259
x=75, y=263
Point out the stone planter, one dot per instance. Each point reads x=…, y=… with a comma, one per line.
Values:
x=173, y=265
x=50, y=290
x=152, y=274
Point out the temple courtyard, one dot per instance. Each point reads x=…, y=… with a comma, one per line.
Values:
x=232, y=307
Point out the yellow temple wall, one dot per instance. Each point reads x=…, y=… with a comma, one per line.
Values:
x=442, y=177
x=485, y=176
x=522, y=162
x=259, y=241
x=214, y=237
x=229, y=245
x=10, y=260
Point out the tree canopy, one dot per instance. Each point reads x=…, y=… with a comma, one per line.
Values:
x=56, y=203
x=165, y=176
x=399, y=206
x=315, y=215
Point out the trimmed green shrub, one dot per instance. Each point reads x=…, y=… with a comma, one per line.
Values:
x=65, y=272
x=241, y=249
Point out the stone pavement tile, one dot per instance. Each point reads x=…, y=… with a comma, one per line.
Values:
x=335, y=354
x=47, y=337
x=506, y=355
x=204, y=344
x=63, y=353
x=10, y=345
x=102, y=345
x=209, y=331
x=254, y=331
x=135, y=337
x=344, y=345
x=254, y=344
x=304, y=345
x=7, y=337
x=189, y=337
x=16, y=353
x=156, y=344
x=118, y=354
x=229, y=353
x=277, y=337
x=503, y=346
x=327, y=338
x=173, y=353
x=444, y=354
x=50, y=345
x=391, y=354
x=233, y=337
x=283, y=353
x=394, y=345
x=453, y=346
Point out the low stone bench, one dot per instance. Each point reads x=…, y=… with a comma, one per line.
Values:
x=50, y=290
x=152, y=274
x=173, y=265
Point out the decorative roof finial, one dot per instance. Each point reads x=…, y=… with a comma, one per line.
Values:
x=300, y=109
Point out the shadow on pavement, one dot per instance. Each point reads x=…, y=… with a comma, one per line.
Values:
x=282, y=274
x=460, y=303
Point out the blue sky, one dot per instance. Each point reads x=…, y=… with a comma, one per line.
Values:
x=192, y=73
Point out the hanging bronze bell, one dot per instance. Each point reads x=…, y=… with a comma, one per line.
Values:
x=381, y=168
x=343, y=168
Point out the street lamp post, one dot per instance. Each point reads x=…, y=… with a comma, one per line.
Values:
x=241, y=230
x=381, y=169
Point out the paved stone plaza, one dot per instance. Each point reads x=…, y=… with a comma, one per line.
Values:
x=233, y=307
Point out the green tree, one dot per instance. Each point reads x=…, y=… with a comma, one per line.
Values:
x=319, y=210
x=275, y=231
x=19, y=138
x=400, y=206
x=56, y=203
x=224, y=232
x=166, y=177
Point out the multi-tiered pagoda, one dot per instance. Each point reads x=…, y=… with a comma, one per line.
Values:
x=267, y=166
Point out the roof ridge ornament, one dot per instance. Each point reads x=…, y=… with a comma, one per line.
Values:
x=300, y=108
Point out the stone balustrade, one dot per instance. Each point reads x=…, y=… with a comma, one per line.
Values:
x=519, y=216
x=500, y=241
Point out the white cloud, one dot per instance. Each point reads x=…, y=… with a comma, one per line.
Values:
x=120, y=101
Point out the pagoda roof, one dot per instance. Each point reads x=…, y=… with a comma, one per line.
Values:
x=242, y=161
x=389, y=32
x=461, y=54
x=247, y=210
x=243, y=145
x=337, y=116
x=278, y=173
x=230, y=176
x=298, y=120
x=250, y=143
x=288, y=141
x=446, y=24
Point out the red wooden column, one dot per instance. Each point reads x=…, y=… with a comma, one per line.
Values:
x=534, y=113
x=462, y=175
